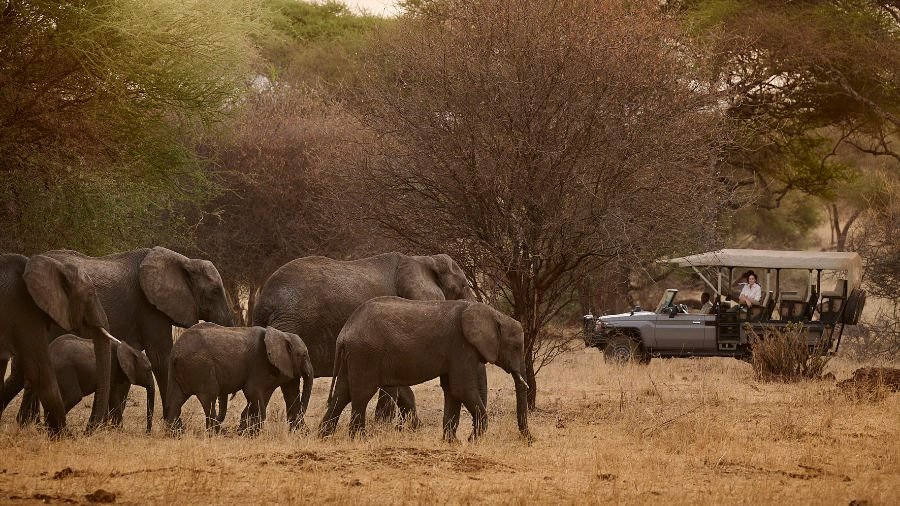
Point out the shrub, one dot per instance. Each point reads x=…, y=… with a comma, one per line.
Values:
x=782, y=354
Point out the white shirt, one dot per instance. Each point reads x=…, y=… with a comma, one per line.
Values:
x=754, y=293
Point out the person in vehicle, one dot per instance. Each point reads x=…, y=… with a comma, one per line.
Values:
x=705, y=304
x=751, y=294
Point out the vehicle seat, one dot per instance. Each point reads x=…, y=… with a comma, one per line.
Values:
x=758, y=313
x=791, y=307
x=833, y=303
x=810, y=307
x=770, y=305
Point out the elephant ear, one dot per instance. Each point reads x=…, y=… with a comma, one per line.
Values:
x=278, y=351
x=166, y=283
x=451, y=278
x=64, y=292
x=416, y=279
x=128, y=359
x=481, y=329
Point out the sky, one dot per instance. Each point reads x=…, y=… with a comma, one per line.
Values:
x=377, y=7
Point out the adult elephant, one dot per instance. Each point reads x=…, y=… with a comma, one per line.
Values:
x=313, y=297
x=144, y=293
x=41, y=298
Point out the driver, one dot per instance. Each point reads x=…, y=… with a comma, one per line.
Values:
x=705, y=303
x=751, y=293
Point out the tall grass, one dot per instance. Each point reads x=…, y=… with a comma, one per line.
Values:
x=783, y=354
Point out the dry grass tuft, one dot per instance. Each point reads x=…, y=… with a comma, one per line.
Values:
x=782, y=354
x=709, y=432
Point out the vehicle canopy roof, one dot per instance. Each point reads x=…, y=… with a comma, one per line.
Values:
x=851, y=263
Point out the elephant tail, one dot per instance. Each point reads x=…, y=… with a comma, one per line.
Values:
x=336, y=371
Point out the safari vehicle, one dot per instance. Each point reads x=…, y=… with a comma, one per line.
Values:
x=672, y=330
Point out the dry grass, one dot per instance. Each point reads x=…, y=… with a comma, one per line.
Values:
x=676, y=431
x=782, y=354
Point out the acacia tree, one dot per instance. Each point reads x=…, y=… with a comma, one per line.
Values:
x=280, y=202
x=812, y=82
x=537, y=141
x=95, y=100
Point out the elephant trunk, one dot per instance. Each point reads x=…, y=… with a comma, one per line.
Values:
x=307, y=387
x=521, y=404
x=151, y=399
x=103, y=358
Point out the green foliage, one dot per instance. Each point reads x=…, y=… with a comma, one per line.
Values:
x=808, y=80
x=312, y=43
x=787, y=226
x=97, y=103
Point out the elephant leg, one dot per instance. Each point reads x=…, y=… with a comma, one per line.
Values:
x=482, y=384
x=338, y=400
x=386, y=407
x=245, y=417
x=406, y=401
x=69, y=389
x=118, y=398
x=360, y=395
x=223, y=408
x=452, y=407
x=172, y=409
x=30, y=409
x=471, y=399
x=209, y=409
x=291, y=393
x=250, y=418
x=158, y=354
x=13, y=385
x=41, y=377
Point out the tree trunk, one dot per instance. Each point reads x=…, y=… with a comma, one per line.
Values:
x=233, y=294
x=252, y=295
x=530, y=377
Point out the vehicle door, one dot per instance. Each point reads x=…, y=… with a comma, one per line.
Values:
x=685, y=333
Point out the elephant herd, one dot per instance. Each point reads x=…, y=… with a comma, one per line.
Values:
x=75, y=325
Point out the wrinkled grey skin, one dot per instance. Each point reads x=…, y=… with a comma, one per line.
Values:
x=41, y=298
x=211, y=362
x=73, y=363
x=313, y=297
x=144, y=293
x=391, y=341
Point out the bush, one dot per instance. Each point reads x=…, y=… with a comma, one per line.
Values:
x=782, y=354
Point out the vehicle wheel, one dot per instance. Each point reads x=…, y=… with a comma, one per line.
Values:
x=623, y=349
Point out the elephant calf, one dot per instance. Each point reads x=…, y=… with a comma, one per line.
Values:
x=210, y=362
x=390, y=341
x=73, y=363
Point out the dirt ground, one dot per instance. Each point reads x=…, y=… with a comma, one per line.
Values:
x=674, y=432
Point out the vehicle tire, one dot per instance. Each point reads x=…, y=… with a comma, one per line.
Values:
x=621, y=349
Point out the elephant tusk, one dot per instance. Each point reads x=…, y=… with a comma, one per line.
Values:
x=109, y=336
x=524, y=383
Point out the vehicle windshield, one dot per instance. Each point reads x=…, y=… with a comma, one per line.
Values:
x=667, y=300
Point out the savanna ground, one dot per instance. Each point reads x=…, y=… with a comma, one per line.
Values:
x=676, y=431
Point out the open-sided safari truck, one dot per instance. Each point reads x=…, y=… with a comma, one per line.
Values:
x=821, y=290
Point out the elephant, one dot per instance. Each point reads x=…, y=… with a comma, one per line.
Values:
x=40, y=298
x=313, y=297
x=211, y=361
x=76, y=374
x=391, y=341
x=144, y=293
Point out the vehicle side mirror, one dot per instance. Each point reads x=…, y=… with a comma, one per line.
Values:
x=673, y=312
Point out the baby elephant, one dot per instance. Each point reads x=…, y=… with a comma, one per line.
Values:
x=73, y=362
x=390, y=341
x=210, y=362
